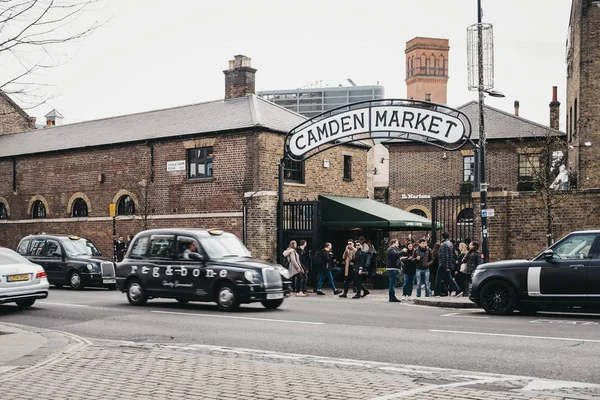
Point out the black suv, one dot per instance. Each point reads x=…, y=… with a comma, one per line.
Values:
x=199, y=265
x=564, y=276
x=69, y=260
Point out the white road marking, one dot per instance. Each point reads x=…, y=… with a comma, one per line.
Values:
x=245, y=318
x=563, y=322
x=516, y=336
x=63, y=304
x=459, y=315
x=412, y=392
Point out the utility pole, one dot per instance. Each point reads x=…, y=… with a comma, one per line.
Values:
x=482, y=141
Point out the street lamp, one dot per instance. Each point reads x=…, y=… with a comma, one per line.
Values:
x=480, y=53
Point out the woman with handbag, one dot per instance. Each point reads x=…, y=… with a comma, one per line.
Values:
x=462, y=278
x=470, y=262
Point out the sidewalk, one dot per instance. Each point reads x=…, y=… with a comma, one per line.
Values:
x=382, y=295
x=106, y=369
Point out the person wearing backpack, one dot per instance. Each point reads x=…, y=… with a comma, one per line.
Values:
x=322, y=263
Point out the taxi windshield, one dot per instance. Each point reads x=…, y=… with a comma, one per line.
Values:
x=221, y=246
x=80, y=247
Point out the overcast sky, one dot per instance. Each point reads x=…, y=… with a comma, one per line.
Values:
x=157, y=54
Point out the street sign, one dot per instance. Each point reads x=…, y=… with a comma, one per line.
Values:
x=488, y=212
x=112, y=209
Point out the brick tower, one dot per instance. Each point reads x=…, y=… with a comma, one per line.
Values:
x=427, y=69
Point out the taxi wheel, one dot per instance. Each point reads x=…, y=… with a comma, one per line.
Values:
x=272, y=304
x=498, y=298
x=226, y=297
x=135, y=293
x=75, y=282
x=25, y=303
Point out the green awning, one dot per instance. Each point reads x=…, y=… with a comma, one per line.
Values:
x=350, y=212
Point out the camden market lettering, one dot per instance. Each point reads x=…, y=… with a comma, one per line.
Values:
x=397, y=119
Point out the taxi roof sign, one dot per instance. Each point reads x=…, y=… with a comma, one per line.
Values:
x=74, y=237
x=215, y=231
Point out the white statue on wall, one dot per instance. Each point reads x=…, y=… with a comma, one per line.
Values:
x=561, y=182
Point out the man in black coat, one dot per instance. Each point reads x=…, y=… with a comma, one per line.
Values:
x=322, y=263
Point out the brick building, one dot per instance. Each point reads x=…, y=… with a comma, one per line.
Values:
x=200, y=165
x=583, y=92
x=12, y=117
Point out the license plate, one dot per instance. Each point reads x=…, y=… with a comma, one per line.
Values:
x=109, y=281
x=18, y=278
x=272, y=296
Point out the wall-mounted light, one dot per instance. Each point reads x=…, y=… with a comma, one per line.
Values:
x=587, y=144
x=326, y=164
x=383, y=159
x=444, y=156
x=101, y=178
x=375, y=171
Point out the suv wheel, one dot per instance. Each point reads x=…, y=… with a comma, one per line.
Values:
x=497, y=297
x=136, y=293
x=75, y=281
x=25, y=303
x=226, y=297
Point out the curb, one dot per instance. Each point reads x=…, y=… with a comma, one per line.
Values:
x=445, y=303
x=58, y=346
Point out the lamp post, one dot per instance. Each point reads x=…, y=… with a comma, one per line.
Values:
x=480, y=52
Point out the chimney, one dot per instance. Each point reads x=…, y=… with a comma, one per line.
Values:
x=239, y=78
x=554, y=110
x=516, y=108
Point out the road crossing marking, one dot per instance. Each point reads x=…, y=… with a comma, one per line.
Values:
x=244, y=318
x=516, y=336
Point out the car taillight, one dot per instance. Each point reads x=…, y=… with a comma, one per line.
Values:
x=40, y=274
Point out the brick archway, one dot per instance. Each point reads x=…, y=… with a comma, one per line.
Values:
x=5, y=202
x=421, y=208
x=125, y=192
x=33, y=200
x=78, y=195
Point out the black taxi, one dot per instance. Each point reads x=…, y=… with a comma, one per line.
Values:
x=199, y=265
x=564, y=276
x=69, y=260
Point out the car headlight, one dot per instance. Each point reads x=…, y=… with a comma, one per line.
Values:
x=251, y=276
x=284, y=272
x=90, y=267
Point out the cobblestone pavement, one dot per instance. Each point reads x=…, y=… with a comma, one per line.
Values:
x=99, y=369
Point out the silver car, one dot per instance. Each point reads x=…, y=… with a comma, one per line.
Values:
x=21, y=281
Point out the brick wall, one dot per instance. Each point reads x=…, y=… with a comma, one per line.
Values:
x=262, y=224
x=583, y=91
x=518, y=229
x=318, y=180
x=12, y=118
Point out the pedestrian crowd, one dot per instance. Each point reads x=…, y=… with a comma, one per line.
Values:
x=444, y=270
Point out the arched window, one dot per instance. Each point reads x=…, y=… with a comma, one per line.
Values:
x=125, y=206
x=38, y=210
x=3, y=211
x=465, y=216
x=80, y=208
x=418, y=212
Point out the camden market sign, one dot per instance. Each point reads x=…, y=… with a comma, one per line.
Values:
x=381, y=120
